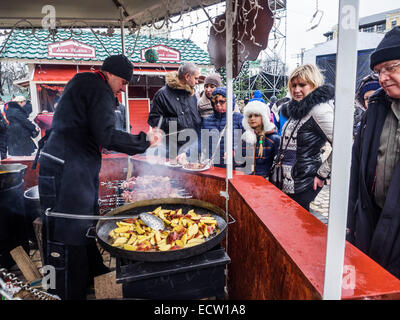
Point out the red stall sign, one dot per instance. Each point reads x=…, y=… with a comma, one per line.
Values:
x=164, y=53
x=71, y=49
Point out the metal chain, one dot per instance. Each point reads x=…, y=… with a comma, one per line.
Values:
x=254, y=5
x=36, y=293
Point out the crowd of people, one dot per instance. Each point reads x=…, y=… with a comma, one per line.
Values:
x=283, y=145
x=16, y=129
x=284, y=141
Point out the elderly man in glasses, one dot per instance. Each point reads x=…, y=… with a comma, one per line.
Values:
x=374, y=200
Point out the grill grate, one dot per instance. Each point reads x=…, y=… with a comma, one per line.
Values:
x=137, y=189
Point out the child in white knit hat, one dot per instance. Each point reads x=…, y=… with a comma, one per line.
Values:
x=260, y=140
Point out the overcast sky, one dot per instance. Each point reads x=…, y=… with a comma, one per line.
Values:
x=299, y=15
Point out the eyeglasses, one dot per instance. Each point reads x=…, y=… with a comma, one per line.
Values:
x=220, y=101
x=387, y=69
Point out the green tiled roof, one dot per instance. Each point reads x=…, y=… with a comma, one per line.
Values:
x=25, y=45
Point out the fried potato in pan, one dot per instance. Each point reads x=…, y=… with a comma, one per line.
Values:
x=182, y=231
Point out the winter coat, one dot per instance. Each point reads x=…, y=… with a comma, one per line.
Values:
x=28, y=108
x=261, y=166
x=310, y=124
x=177, y=103
x=218, y=121
x=20, y=131
x=359, y=102
x=204, y=106
x=374, y=231
x=3, y=135
x=276, y=111
x=44, y=120
x=70, y=161
x=358, y=113
x=120, y=119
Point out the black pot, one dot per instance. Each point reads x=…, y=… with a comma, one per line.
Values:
x=11, y=175
x=32, y=201
x=13, y=224
x=32, y=209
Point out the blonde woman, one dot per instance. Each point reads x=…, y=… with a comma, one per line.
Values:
x=299, y=169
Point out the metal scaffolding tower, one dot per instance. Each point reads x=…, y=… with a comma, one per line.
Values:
x=268, y=73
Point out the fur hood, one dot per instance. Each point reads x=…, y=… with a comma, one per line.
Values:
x=174, y=83
x=255, y=107
x=299, y=109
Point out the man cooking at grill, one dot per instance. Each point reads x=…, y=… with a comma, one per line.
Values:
x=70, y=161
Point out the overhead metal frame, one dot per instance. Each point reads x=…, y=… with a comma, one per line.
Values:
x=93, y=13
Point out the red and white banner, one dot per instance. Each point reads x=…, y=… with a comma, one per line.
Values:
x=164, y=53
x=71, y=49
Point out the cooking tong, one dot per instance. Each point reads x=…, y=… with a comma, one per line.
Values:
x=209, y=161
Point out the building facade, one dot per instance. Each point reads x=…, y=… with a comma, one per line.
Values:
x=371, y=31
x=376, y=23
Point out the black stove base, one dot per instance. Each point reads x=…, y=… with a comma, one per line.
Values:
x=193, y=278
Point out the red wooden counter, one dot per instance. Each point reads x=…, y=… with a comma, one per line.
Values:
x=277, y=248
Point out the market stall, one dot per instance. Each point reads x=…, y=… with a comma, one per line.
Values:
x=52, y=64
x=282, y=246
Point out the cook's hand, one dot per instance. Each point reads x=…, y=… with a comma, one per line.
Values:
x=155, y=137
x=105, y=151
x=225, y=154
x=318, y=183
x=181, y=158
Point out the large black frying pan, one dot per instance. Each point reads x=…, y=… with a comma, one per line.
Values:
x=104, y=227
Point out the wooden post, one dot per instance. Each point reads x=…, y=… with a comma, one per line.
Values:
x=106, y=287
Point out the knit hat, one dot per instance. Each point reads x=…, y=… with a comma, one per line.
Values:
x=214, y=79
x=255, y=107
x=369, y=82
x=373, y=85
x=119, y=65
x=388, y=49
x=273, y=99
x=257, y=96
x=222, y=92
x=19, y=99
